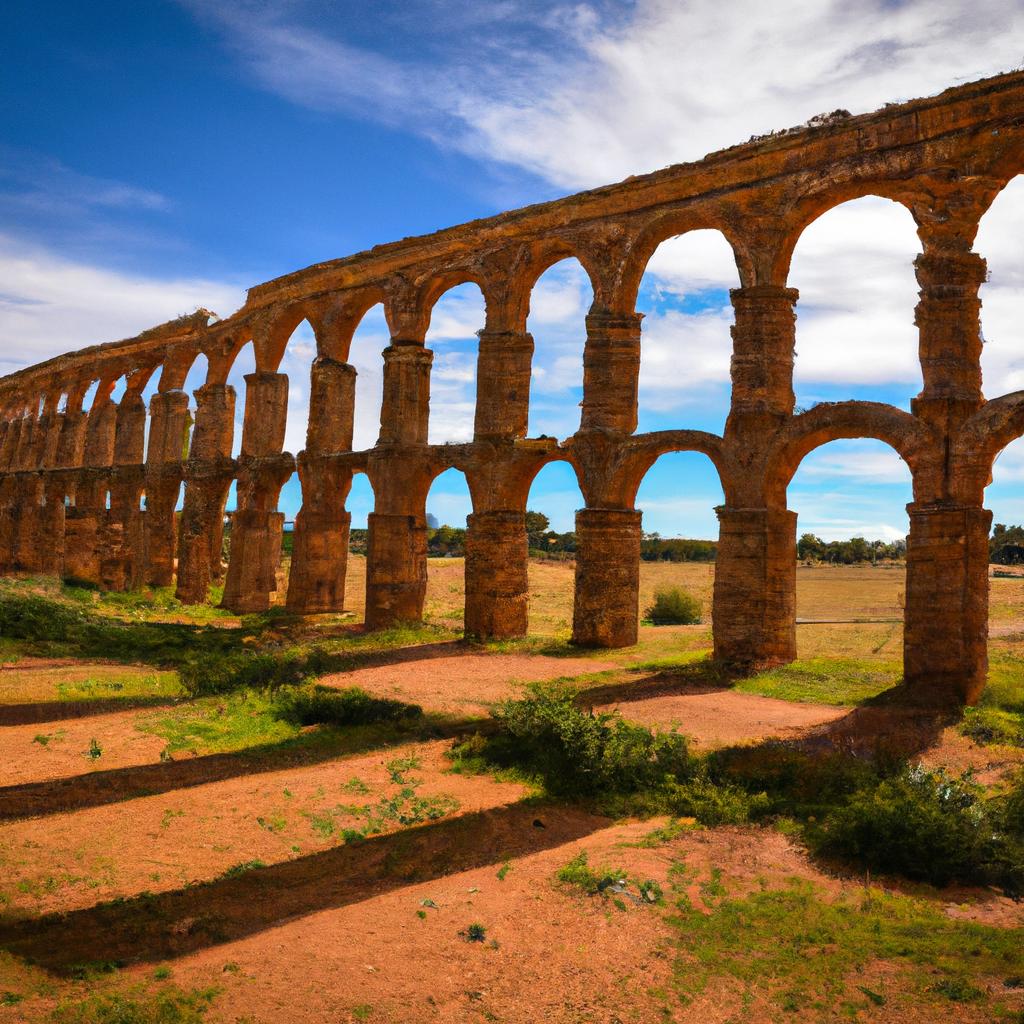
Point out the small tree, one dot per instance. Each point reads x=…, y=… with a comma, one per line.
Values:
x=674, y=607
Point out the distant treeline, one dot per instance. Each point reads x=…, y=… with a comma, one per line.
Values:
x=1006, y=546
x=810, y=548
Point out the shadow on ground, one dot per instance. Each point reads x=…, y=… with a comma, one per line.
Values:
x=151, y=928
x=96, y=789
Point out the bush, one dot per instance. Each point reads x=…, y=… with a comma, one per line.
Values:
x=31, y=617
x=578, y=753
x=674, y=607
x=921, y=824
x=322, y=705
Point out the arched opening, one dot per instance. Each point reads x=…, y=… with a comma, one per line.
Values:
x=850, y=497
x=855, y=334
x=245, y=363
x=998, y=240
x=447, y=508
x=554, y=495
x=194, y=380
x=685, y=341
x=454, y=322
x=678, y=496
x=559, y=303
x=1005, y=498
x=359, y=504
x=369, y=340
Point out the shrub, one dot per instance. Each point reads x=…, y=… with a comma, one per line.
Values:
x=921, y=824
x=674, y=607
x=32, y=617
x=322, y=705
x=578, y=753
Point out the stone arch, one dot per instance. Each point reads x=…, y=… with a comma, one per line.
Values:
x=643, y=453
x=556, y=320
x=663, y=228
x=981, y=440
x=812, y=206
x=908, y=436
x=855, y=331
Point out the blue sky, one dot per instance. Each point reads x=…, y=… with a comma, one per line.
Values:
x=159, y=156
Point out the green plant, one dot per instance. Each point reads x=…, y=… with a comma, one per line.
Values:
x=169, y=1006
x=921, y=824
x=322, y=705
x=576, y=753
x=674, y=606
x=241, y=869
x=475, y=933
x=95, y=750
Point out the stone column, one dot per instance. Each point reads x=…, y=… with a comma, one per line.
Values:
x=122, y=543
x=611, y=372
x=396, y=569
x=763, y=337
x=209, y=473
x=320, y=541
x=396, y=552
x=606, y=610
x=84, y=522
x=497, y=583
x=504, y=365
x=405, y=408
x=754, y=613
x=256, y=527
x=949, y=330
x=168, y=439
x=945, y=639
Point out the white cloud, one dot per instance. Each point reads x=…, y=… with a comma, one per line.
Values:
x=593, y=93
x=50, y=305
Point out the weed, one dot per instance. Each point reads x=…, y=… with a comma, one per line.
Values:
x=474, y=933
x=42, y=739
x=958, y=990
x=421, y=914
x=504, y=870
x=169, y=1006
x=275, y=823
x=578, y=874
x=362, y=1011
x=399, y=766
x=243, y=868
x=95, y=750
x=162, y=973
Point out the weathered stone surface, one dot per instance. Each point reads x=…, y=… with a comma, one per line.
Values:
x=71, y=480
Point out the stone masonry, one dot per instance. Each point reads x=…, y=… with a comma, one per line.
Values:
x=84, y=495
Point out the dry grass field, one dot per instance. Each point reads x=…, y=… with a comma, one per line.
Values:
x=170, y=854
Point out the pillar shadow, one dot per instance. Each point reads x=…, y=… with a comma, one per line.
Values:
x=149, y=928
x=899, y=723
x=38, y=712
x=699, y=677
x=97, y=789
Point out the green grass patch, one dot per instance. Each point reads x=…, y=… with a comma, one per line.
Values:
x=156, y=685
x=170, y=1005
x=845, y=681
x=804, y=953
x=999, y=715
x=260, y=718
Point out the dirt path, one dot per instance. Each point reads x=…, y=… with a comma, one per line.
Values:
x=465, y=684
x=724, y=716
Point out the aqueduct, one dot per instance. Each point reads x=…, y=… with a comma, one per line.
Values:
x=73, y=479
